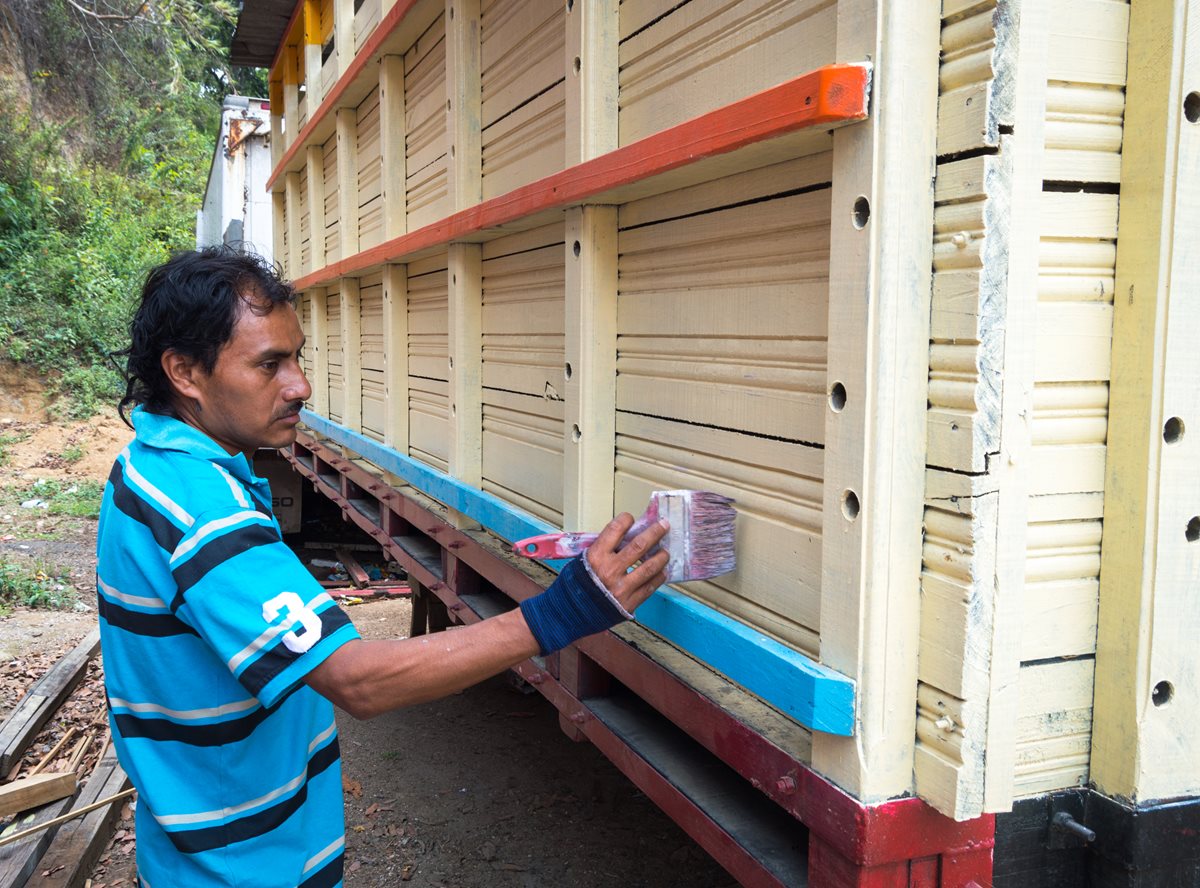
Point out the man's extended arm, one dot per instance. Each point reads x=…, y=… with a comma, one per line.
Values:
x=366, y=678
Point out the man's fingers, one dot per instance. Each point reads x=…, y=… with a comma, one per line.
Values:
x=613, y=533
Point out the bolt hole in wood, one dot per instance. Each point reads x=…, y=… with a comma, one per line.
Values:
x=837, y=397
x=576, y=434
x=567, y=371
x=1173, y=430
x=850, y=504
x=1191, y=107
x=578, y=64
x=1162, y=693
x=575, y=249
x=1193, y=529
x=862, y=213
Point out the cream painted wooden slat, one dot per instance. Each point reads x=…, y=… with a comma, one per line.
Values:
x=1053, y=726
x=333, y=201
x=373, y=362
x=365, y=21
x=292, y=224
x=522, y=449
x=392, y=155
x=777, y=485
x=369, y=172
x=523, y=94
x=678, y=61
x=429, y=360
x=721, y=317
x=279, y=241
x=396, y=356
x=522, y=349
x=426, y=150
x=347, y=180
x=589, y=367
x=343, y=27
x=463, y=123
x=465, y=422
x=590, y=54
x=334, y=356
x=318, y=346
x=314, y=177
x=977, y=82
x=1145, y=745
x=304, y=206
x=304, y=312
x=878, y=364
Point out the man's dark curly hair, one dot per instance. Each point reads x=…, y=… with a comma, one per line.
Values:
x=190, y=305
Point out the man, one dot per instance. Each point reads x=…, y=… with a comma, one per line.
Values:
x=222, y=655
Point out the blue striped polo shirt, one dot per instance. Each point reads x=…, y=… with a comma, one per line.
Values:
x=208, y=625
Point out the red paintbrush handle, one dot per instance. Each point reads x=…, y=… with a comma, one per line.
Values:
x=549, y=546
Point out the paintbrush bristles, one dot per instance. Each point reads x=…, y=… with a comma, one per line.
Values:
x=701, y=539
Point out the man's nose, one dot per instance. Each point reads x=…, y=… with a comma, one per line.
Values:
x=298, y=388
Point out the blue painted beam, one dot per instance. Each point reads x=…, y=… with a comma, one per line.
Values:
x=815, y=695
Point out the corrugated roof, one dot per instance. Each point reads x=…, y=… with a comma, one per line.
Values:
x=260, y=29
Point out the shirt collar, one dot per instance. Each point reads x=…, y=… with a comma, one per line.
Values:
x=168, y=433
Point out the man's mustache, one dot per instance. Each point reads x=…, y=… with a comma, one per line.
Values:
x=291, y=410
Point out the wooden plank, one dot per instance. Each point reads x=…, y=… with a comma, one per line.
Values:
x=466, y=364
x=590, y=368
x=347, y=181
x=316, y=206
x=794, y=681
x=463, y=84
x=318, y=346
x=1144, y=743
x=19, y=859
x=343, y=26
x=351, y=353
x=78, y=844
x=395, y=350
x=878, y=368
x=393, y=136
x=26, y=793
x=590, y=60
x=42, y=700
x=293, y=266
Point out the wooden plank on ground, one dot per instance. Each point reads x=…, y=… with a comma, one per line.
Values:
x=33, y=792
x=42, y=699
x=19, y=859
x=77, y=845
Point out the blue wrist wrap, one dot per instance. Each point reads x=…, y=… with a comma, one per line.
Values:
x=573, y=607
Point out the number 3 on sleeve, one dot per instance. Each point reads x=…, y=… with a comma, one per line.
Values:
x=293, y=604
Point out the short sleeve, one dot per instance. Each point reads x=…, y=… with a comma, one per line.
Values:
x=252, y=601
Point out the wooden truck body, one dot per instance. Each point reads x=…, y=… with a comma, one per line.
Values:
x=854, y=263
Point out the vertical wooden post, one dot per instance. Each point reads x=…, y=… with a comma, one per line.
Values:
x=319, y=345
x=878, y=359
x=463, y=131
x=347, y=173
x=343, y=34
x=291, y=95
x=275, y=96
x=351, y=318
x=392, y=139
x=1147, y=699
x=593, y=30
x=395, y=356
x=312, y=55
x=279, y=205
x=466, y=363
x=591, y=366
x=315, y=160
x=292, y=191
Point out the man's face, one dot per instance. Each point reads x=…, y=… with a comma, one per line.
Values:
x=253, y=397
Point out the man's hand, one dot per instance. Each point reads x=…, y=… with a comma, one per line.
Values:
x=612, y=565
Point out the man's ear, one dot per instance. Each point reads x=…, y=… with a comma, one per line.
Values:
x=184, y=373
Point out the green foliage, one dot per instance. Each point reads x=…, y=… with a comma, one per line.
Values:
x=104, y=154
x=39, y=585
x=5, y=440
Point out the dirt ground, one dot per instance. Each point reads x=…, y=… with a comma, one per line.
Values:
x=480, y=790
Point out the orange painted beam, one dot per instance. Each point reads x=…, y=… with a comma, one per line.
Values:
x=382, y=31
x=828, y=96
x=287, y=33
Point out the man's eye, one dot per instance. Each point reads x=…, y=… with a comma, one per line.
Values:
x=270, y=366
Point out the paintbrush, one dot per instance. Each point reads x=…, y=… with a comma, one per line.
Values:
x=700, y=541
